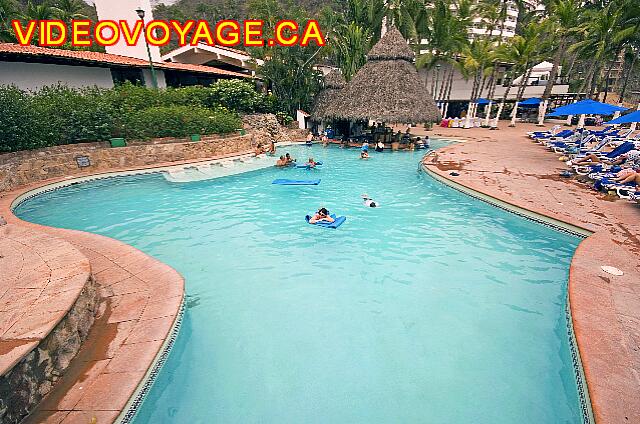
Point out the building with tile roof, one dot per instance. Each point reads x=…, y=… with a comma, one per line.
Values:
x=31, y=67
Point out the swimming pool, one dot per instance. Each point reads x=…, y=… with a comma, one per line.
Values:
x=433, y=308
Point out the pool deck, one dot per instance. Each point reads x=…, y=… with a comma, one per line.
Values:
x=507, y=166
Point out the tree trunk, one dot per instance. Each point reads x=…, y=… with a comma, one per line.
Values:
x=524, y=82
x=587, y=80
x=606, y=81
x=449, y=88
x=554, y=70
x=568, y=72
x=594, y=79
x=504, y=99
x=626, y=78
x=433, y=82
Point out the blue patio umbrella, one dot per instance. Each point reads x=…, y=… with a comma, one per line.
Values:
x=625, y=119
x=587, y=107
x=482, y=101
x=530, y=102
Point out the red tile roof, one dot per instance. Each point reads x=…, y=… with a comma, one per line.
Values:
x=112, y=59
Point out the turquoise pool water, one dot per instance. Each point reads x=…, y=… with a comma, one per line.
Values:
x=433, y=308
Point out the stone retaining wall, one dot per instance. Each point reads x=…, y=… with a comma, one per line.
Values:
x=23, y=168
x=33, y=377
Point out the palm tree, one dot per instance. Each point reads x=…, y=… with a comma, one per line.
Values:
x=445, y=30
x=350, y=46
x=367, y=14
x=564, y=16
x=475, y=61
x=403, y=14
x=67, y=10
x=38, y=12
x=8, y=11
x=598, y=33
x=521, y=51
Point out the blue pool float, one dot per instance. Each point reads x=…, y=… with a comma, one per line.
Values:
x=283, y=181
x=338, y=221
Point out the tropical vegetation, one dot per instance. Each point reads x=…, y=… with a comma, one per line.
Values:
x=62, y=115
x=587, y=41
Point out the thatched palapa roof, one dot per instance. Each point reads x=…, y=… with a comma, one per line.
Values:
x=333, y=83
x=387, y=88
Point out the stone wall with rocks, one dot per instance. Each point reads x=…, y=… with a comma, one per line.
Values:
x=266, y=128
x=23, y=168
x=33, y=377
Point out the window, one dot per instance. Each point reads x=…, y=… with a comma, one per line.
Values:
x=122, y=75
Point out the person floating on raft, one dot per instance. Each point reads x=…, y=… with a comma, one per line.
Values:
x=321, y=216
x=311, y=163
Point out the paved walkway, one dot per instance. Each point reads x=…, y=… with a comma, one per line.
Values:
x=40, y=281
x=506, y=165
x=140, y=301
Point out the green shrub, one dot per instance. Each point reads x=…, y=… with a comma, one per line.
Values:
x=17, y=131
x=68, y=116
x=62, y=115
x=179, y=121
x=284, y=118
x=234, y=95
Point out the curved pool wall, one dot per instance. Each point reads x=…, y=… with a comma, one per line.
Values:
x=433, y=308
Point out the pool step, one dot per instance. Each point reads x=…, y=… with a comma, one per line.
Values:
x=217, y=169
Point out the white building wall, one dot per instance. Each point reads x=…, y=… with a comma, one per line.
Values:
x=31, y=76
x=461, y=88
x=117, y=10
x=146, y=73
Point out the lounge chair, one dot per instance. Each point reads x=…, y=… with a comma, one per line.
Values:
x=599, y=167
x=623, y=191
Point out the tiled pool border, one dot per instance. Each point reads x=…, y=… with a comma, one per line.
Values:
x=135, y=402
x=557, y=225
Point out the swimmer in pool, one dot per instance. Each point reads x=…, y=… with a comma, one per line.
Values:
x=312, y=163
x=271, y=150
x=364, y=155
x=281, y=162
x=369, y=202
x=289, y=159
x=321, y=215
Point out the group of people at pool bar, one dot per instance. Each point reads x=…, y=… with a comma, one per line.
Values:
x=380, y=136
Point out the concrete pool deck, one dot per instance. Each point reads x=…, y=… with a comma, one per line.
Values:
x=507, y=166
